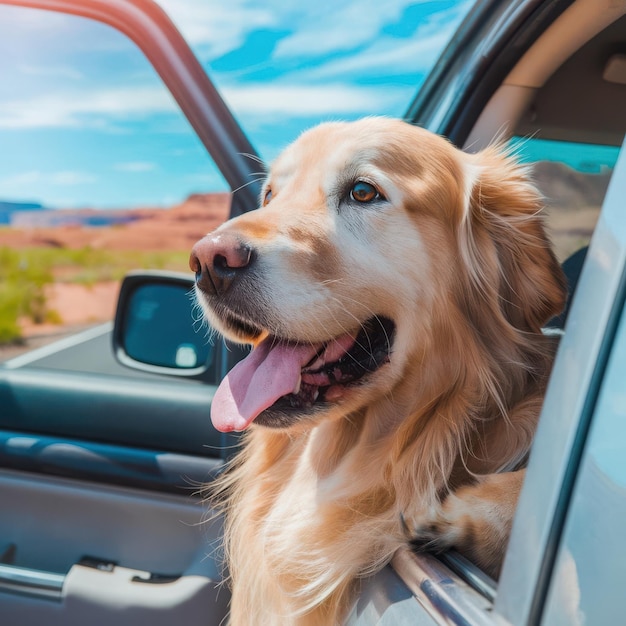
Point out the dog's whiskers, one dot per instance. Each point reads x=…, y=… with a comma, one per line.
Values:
x=255, y=158
x=250, y=182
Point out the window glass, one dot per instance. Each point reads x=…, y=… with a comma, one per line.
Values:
x=587, y=584
x=100, y=173
x=573, y=178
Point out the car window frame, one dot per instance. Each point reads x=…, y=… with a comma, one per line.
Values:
x=487, y=45
x=567, y=412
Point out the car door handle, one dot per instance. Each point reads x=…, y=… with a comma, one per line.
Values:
x=49, y=585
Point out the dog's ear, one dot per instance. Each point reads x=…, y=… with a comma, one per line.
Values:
x=503, y=237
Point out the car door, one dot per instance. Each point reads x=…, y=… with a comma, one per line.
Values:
x=102, y=468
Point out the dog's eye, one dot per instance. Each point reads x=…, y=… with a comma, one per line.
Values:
x=364, y=192
x=267, y=197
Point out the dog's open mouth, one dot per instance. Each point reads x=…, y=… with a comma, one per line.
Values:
x=287, y=378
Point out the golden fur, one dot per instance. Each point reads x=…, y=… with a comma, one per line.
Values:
x=457, y=257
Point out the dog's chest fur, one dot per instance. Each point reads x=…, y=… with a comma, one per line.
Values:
x=300, y=536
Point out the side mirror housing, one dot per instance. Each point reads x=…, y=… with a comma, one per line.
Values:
x=159, y=329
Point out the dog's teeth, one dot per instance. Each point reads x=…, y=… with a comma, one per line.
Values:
x=316, y=393
x=296, y=389
x=315, y=365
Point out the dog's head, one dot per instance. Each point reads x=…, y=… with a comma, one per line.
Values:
x=372, y=237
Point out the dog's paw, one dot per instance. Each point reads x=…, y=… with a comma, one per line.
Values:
x=476, y=520
x=435, y=535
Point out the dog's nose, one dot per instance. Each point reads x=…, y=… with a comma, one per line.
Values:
x=218, y=260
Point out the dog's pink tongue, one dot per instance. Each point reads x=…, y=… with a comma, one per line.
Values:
x=254, y=384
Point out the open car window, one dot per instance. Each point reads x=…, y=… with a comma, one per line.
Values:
x=100, y=174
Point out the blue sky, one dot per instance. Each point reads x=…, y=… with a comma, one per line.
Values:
x=85, y=121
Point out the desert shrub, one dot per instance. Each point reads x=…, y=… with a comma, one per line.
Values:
x=88, y=266
x=22, y=283
x=9, y=307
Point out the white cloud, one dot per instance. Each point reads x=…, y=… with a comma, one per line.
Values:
x=309, y=100
x=218, y=27
x=396, y=55
x=52, y=71
x=316, y=32
x=45, y=35
x=215, y=27
x=63, y=178
x=35, y=22
x=135, y=166
x=333, y=26
x=91, y=108
x=388, y=54
x=70, y=178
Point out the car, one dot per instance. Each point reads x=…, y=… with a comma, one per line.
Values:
x=102, y=472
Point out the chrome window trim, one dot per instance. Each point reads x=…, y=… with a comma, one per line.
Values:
x=385, y=600
x=442, y=594
x=420, y=590
x=566, y=413
x=471, y=574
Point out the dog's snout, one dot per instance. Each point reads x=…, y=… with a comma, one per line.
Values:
x=217, y=261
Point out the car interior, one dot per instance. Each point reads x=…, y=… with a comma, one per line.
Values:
x=569, y=87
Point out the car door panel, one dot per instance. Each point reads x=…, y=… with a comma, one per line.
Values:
x=98, y=553
x=116, y=465
x=101, y=473
x=171, y=415
x=56, y=424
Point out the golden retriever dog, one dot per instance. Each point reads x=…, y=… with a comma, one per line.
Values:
x=394, y=290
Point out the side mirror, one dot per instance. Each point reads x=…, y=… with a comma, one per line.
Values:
x=157, y=330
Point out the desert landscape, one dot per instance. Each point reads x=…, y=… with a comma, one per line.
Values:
x=75, y=270
x=145, y=229
x=61, y=278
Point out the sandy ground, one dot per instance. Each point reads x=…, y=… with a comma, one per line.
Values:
x=79, y=306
